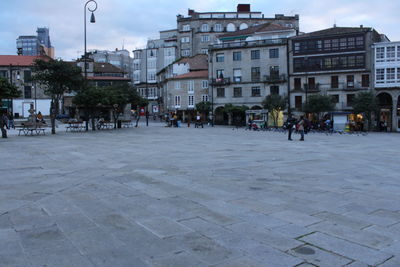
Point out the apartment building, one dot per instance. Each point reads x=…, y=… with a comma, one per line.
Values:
x=119, y=58
x=248, y=65
x=200, y=29
x=387, y=83
x=337, y=61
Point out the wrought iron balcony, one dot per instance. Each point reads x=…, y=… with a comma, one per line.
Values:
x=221, y=81
x=275, y=78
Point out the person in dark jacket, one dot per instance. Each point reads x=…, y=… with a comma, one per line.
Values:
x=290, y=122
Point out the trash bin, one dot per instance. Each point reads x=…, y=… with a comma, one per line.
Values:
x=119, y=124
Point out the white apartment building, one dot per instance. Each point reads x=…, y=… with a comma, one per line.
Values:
x=387, y=82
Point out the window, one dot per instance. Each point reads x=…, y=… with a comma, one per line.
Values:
x=390, y=53
x=335, y=44
x=311, y=83
x=390, y=75
x=177, y=85
x=151, y=76
x=380, y=75
x=237, y=56
x=204, y=84
x=255, y=91
x=365, y=80
x=274, y=71
x=398, y=53
x=204, y=28
x=274, y=53
x=205, y=38
x=191, y=101
x=335, y=98
x=220, y=92
x=204, y=51
x=204, y=98
x=185, y=52
x=220, y=57
x=327, y=45
x=297, y=83
x=398, y=74
x=237, y=92
x=360, y=42
x=237, y=75
x=185, y=40
x=350, y=99
x=343, y=44
x=255, y=54
x=243, y=26
x=296, y=48
x=255, y=74
x=27, y=76
x=231, y=27
x=177, y=101
x=350, y=81
x=351, y=42
x=380, y=54
x=218, y=27
x=334, y=82
x=186, y=28
x=274, y=90
x=27, y=92
x=298, y=102
x=3, y=74
x=220, y=74
x=190, y=86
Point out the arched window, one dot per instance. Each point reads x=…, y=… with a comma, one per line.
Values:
x=230, y=27
x=243, y=26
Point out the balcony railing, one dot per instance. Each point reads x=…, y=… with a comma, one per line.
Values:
x=275, y=78
x=248, y=43
x=221, y=81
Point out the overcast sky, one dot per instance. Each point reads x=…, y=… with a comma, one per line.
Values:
x=132, y=22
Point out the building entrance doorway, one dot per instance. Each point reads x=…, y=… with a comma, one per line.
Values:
x=385, y=112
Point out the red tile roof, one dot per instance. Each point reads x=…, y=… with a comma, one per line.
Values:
x=192, y=74
x=266, y=27
x=197, y=62
x=6, y=60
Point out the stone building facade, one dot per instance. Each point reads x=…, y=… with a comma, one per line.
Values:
x=248, y=65
x=337, y=61
x=200, y=29
x=387, y=83
x=18, y=71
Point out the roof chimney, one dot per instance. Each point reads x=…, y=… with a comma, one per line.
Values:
x=243, y=8
x=190, y=12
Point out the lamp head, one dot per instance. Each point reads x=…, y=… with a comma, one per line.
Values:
x=92, y=18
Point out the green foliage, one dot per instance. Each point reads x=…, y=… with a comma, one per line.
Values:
x=57, y=76
x=365, y=102
x=275, y=104
x=7, y=90
x=319, y=103
x=204, y=106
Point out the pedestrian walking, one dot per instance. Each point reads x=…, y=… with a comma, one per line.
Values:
x=10, y=121
x=290, y=122
x=301, y=127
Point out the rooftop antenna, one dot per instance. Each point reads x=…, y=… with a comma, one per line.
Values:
x=123, y=44
x=334, y=23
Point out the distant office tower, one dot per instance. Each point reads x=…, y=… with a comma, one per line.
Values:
x=31, y=45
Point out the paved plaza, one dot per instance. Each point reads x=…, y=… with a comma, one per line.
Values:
x=157, y=196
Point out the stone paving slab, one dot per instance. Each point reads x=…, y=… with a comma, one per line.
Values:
x=153, y=198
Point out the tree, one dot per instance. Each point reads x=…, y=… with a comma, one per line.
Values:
x=203, y=107
x=275, y=104
x=233, y=111
x=7, y=91
x=319, y=103
x=90, y=98
x=365, y=102
x=117, y=97
x=58, y=77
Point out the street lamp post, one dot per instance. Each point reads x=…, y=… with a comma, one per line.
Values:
x=92, y=20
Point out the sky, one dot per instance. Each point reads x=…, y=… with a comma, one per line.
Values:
x=130, y=23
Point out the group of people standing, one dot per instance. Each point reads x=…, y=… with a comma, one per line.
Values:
x=300, y=124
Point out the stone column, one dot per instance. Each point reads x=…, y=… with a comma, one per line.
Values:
x=394, y=113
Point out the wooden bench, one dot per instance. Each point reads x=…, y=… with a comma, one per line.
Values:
x=75, y=126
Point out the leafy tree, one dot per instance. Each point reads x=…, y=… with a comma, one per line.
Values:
x=91, y=99
x=233, y=111
x=118, y=96
x=203, y=107
x=319, y=103
x=275, y=104
x=7, y=91
x=365, y=102
x=58, y=77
